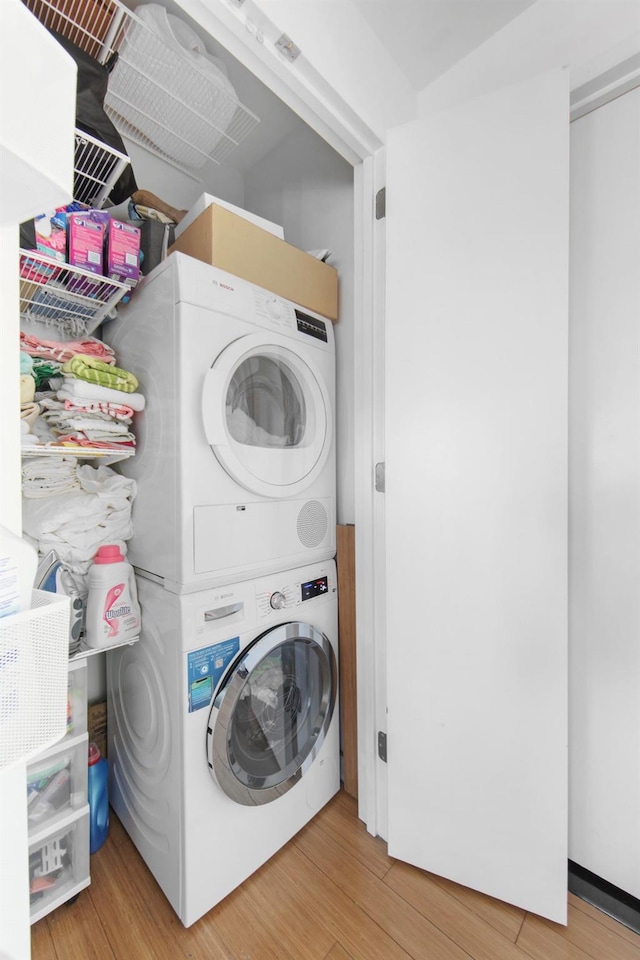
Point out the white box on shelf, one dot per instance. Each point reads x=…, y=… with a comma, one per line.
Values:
x=206, y=199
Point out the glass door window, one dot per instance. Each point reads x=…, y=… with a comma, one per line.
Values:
x=265, y=404
x=271, y=715
x=267, y=416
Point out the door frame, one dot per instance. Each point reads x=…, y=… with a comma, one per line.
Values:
x=319, y=106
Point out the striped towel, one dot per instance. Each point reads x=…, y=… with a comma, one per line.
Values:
x=84, y=367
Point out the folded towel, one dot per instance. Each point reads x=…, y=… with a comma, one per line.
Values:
x=27, y=388
x=80, y=391
x=29, y=412
x=120, y=411
x=84, y=424
x=46, y=476
x=88, y=368
x=65, y=350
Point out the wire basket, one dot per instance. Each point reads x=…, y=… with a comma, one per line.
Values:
x=73, y=300
x=165, y=92
x=96, y=169
x=34, y=655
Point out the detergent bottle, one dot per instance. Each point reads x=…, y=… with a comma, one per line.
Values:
x=98, y=794
x=113, y=612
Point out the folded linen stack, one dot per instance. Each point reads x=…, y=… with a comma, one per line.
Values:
x=61, y=351
x=95, y=404
x=49, y=476
x=75, y=509
x=41, y=363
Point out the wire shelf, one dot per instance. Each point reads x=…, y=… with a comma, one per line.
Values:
x=165, y=92
x=73, y=300
x=106, y=455
x=96, y=169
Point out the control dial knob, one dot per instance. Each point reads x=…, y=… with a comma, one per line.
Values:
x=278, y=600
x=274, y=308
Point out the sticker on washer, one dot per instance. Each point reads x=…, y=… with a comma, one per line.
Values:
x=204, y=669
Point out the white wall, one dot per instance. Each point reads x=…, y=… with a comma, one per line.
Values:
x=587, y=36
x=308, y=189
x=180, y=189
x=604, y=822
x=338, y=43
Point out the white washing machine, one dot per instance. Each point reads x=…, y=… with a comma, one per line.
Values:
x=223, y=727
x=235, y=458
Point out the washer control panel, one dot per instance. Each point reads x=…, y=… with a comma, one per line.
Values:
x=286, y=595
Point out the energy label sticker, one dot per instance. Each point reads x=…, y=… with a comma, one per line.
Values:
x=204, y=669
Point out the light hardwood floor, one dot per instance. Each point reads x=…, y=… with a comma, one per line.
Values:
x=332, y=893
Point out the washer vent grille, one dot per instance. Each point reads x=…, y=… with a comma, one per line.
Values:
x=312, y=524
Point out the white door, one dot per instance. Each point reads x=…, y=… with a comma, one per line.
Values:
x=476, y=493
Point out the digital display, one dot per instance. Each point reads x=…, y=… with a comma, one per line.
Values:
x=311, y=326
x=314, y=588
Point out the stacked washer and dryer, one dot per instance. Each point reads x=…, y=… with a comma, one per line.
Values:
x=223, y=718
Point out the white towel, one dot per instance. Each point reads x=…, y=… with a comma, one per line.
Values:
x=82, y=390
x=75, y=524
x=47, y=476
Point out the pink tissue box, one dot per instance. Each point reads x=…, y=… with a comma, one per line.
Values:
x=123, y=252
x=86, y=242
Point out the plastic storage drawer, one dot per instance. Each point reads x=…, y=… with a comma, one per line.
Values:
x=59, y=864
x=57, y=784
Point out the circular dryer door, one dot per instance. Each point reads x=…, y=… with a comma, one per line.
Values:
x=267, y=416
x=271, y=713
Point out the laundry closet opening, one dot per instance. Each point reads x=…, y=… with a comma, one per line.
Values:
x=284, y=172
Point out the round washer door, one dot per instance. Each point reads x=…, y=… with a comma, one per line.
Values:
x=272, y=713
x=267, y=416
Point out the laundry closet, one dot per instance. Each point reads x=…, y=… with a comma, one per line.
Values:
x=267, y=161
x=271, y=169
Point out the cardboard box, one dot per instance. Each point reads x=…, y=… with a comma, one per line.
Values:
x=206, y=199
x=232, y=243
x=97, y=725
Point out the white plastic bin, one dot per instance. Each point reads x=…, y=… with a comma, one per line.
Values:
x=34, y=655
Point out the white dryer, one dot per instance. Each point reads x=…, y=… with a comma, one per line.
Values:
x=235, y=458
x=223, y=728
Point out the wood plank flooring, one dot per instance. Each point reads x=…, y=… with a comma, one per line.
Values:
x=332, y=893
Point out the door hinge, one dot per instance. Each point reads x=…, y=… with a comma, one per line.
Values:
x=382, y=746
x=380, y=477
x=381, y=204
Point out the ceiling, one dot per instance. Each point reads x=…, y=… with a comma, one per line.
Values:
x=424, y=37
x=427, y=37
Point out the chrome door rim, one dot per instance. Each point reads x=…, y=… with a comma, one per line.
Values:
x=221, y=765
